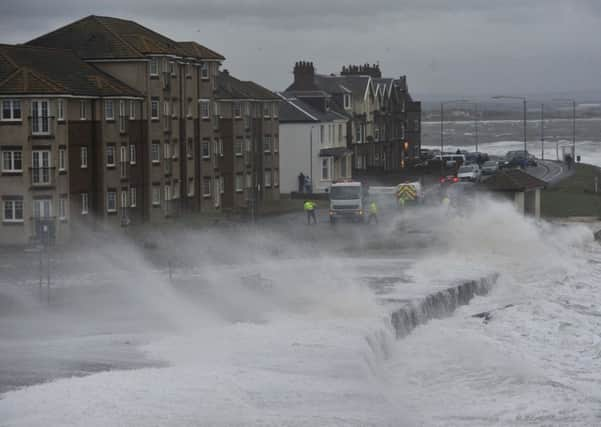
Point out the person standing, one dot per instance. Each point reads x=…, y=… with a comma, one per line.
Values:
x=309, y=207
x=301, y=183
x=373, y=212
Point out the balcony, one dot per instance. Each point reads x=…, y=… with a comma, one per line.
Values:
x=42, y=127
x=42, y=177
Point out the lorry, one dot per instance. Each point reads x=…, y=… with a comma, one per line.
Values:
x=347, y=201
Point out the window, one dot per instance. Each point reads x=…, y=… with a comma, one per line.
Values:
x=173, y=108
x=204, y=150
x=237, y=110
x=275, y=109
x=204, y=71
x=122, y=116
x=154, y=109
x=123, y=160
x=13, y=209
x=12, y=161
x=11, y=110
x=175, y=149
x=172, y=68
x=166, y=108
x=249, y=180
x=325, y=169
x=347, y=101
x=238, y=147
x=221, y=185
x=62, y=161
x=267, y=178
x=377, y=133
x=204, y=109
x=83, y=109
x=84, y=203
x=267, y=144
x=42, y=208
x=132, y=197
x=266, y=109
x=239, y=182
x=247, y=145
x=83, y=154
x=154, y=66
x=215, y=147
x=132, y=110
x=109, y=113
x=189, y=114
x=156, y=195
x=124, y=203
x=155, y=152
x=60, y=110
x=175, y=191
x=132, y=154
x=188, y=69
x=206, y=186
x=40, y=171
x=110, y=155
x=167, y=192
x=190, y=187
x=321, y=135
x=166, y=150
x=340, y=135
x=111, y=201
x=276, y=178
x=276, y=144
x=62, y=208
x=220, y=145
x=190, y=148
x=40, y=124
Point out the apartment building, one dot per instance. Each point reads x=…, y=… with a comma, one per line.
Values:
x=54, y=139
x=177, y=81
x=312, y=142
x=248, y=158
x=384, y=130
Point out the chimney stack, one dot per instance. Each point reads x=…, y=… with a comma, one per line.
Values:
x=304, y=76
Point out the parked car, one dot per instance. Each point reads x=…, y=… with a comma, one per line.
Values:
x=469, y=173
x=490, y=167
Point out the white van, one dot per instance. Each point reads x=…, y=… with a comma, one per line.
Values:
x=451, y=160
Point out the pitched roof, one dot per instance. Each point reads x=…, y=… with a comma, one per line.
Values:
x=199, y=51
x=103, y=37
x=34, y=70
x=513, y=180
x=294, y=110
x=229, y=87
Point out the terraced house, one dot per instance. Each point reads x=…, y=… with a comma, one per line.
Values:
x=384, y=126
x=138, y=149
x=53, y=142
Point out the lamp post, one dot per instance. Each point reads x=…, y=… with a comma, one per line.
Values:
x=542, y=131
x=442, y=104
x=573, y=101
x=524, y=100
x=311, y=156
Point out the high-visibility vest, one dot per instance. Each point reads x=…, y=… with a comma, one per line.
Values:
x=309, y=206
x=373, y=208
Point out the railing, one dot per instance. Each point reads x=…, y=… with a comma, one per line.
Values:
x=42, y=176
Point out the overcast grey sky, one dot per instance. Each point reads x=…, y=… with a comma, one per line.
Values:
x=467, y=47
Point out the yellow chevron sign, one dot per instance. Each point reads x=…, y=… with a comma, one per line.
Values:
x=406, y=192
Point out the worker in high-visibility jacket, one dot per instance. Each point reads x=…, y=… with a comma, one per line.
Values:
x=309, y=207
x=373, y=212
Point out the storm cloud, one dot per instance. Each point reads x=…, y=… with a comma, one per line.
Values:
x=445, y=47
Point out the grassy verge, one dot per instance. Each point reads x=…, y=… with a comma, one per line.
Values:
x=575, y=195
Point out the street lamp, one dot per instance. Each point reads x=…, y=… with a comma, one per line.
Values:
x=525, y=116
x=573, y=101
x=442, y=104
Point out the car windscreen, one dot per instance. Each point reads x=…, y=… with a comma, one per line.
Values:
x=466, y=169
x=345, y=193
